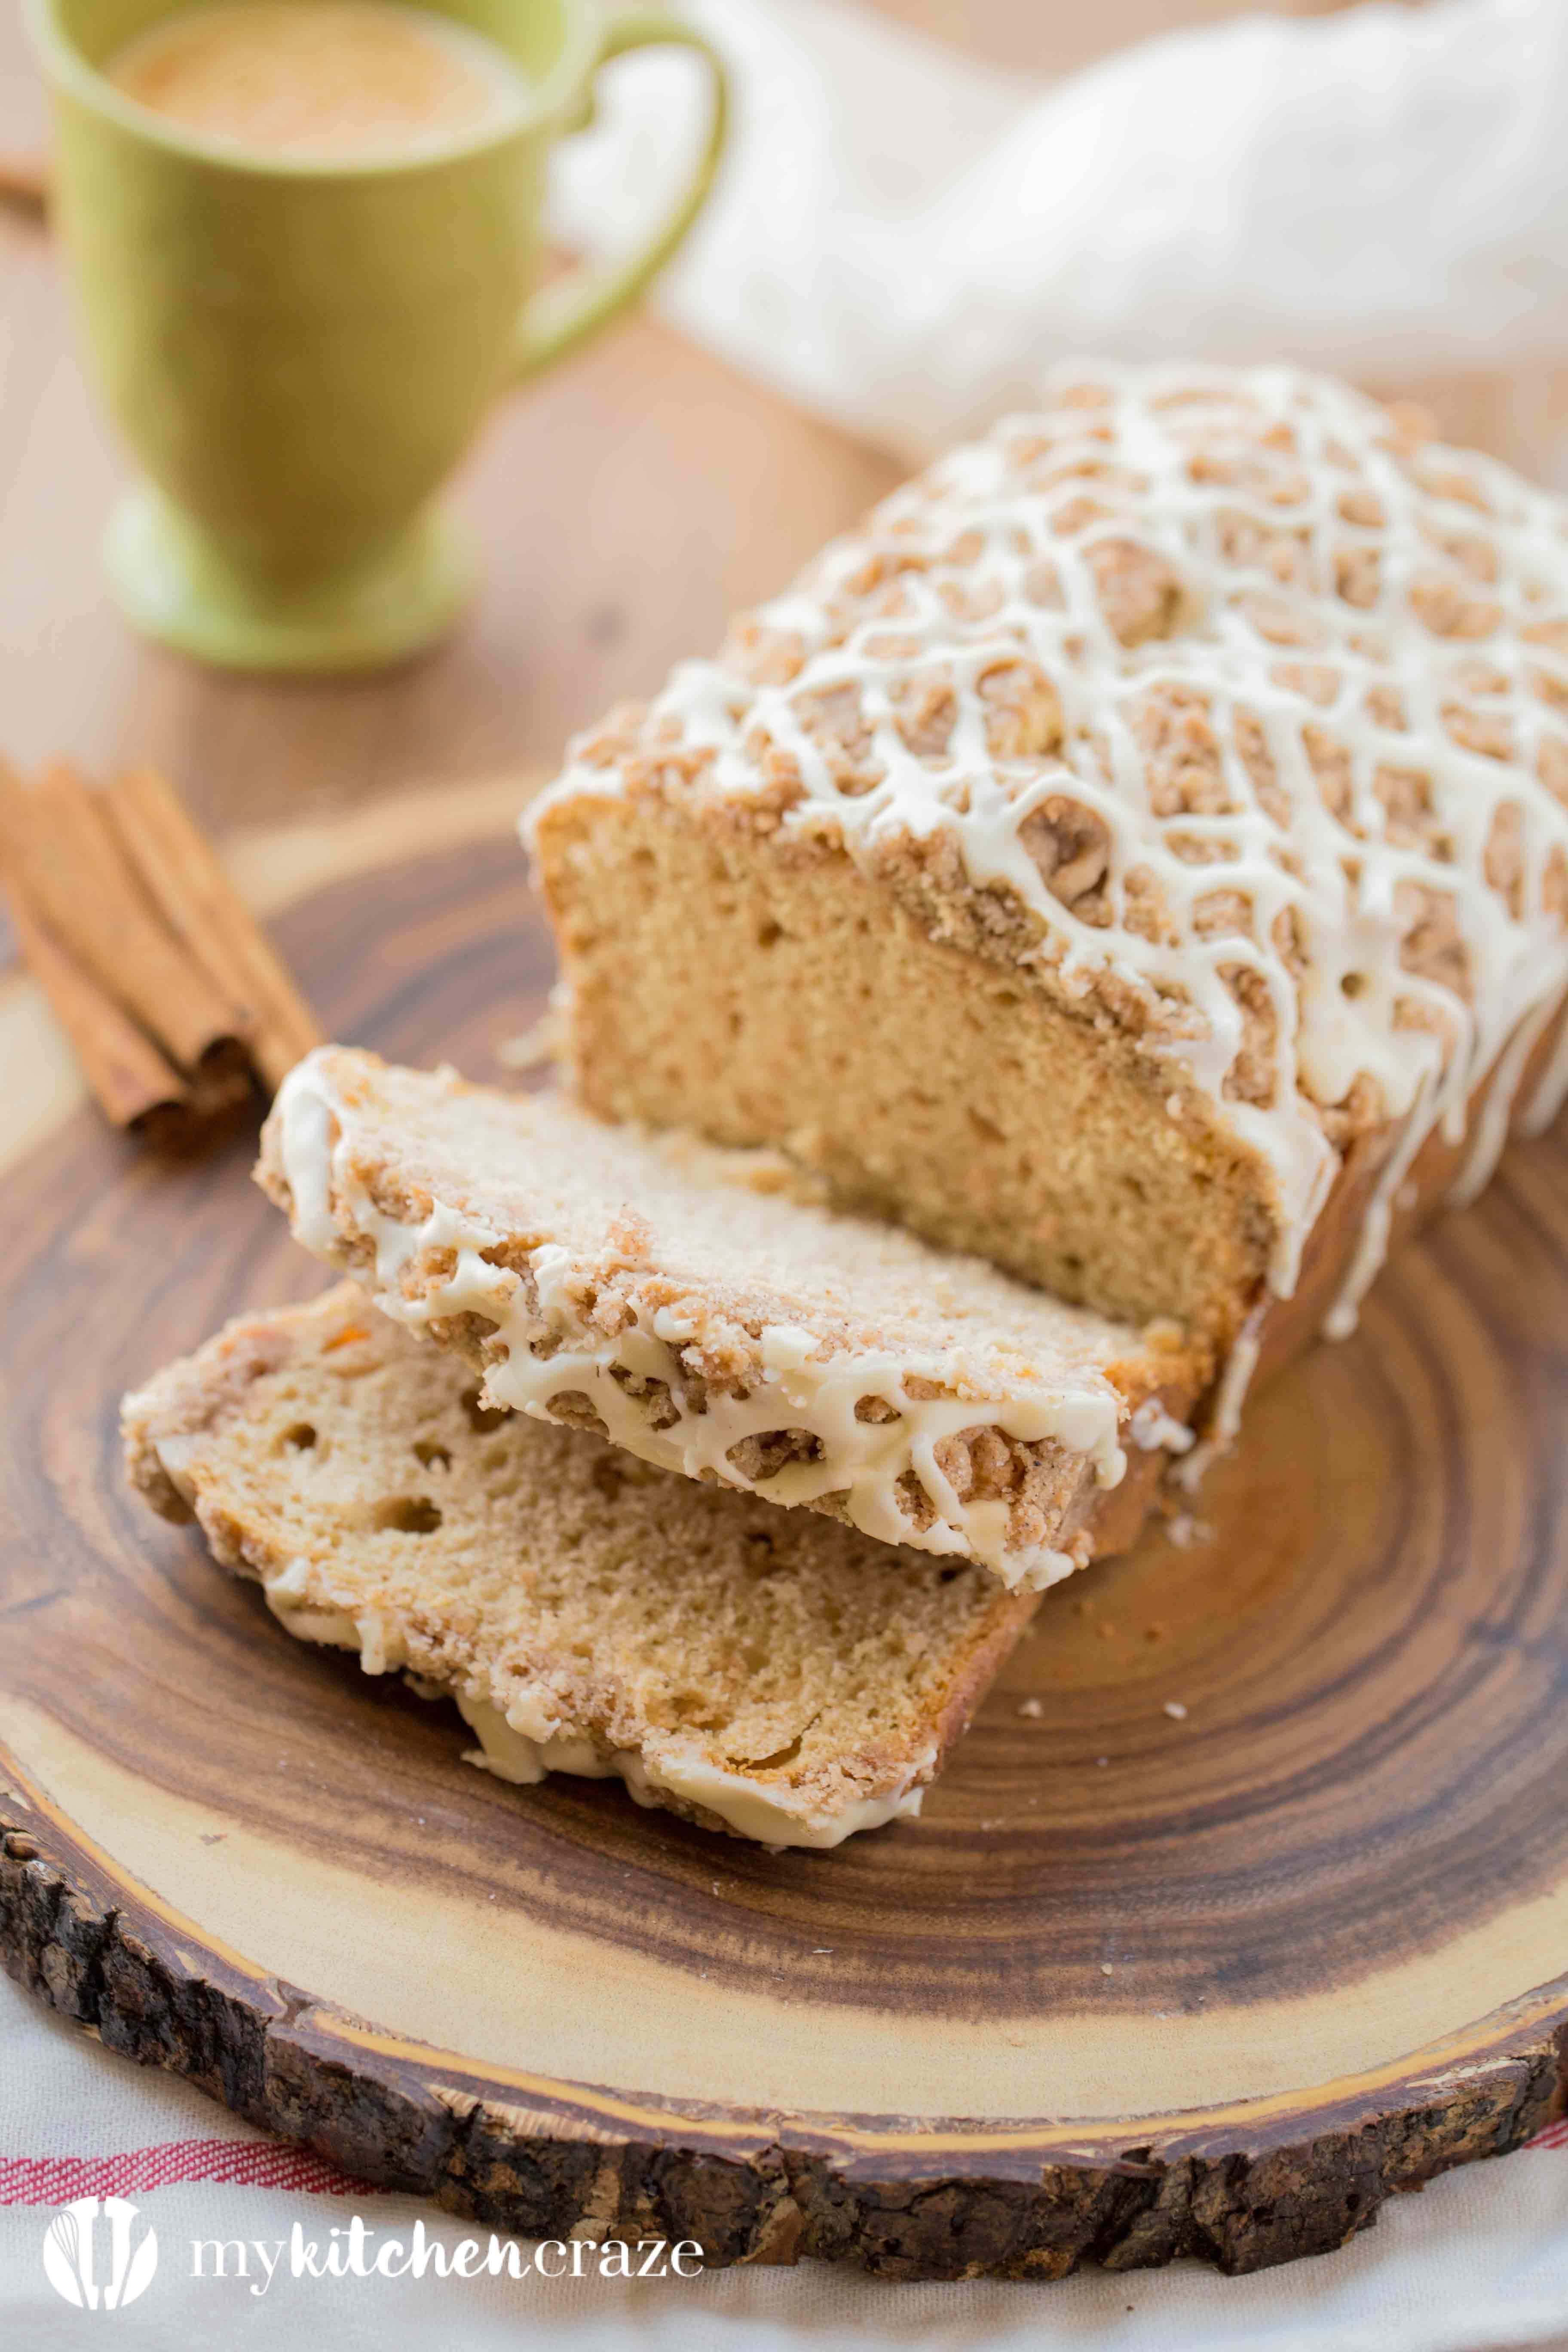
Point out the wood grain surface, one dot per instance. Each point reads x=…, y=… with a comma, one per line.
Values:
x=1138, y=1984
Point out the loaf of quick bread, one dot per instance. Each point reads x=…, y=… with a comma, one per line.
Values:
x=1137, y=855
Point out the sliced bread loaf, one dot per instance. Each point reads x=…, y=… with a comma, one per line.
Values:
x=761, y=1672
x=690, y=1305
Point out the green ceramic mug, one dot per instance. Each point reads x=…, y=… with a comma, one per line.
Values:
x=297, y=353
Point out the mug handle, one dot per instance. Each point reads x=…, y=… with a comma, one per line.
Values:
x=561, y=315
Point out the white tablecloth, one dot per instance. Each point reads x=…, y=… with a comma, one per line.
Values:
x=1479, y=2260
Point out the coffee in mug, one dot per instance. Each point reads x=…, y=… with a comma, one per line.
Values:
x=323, y=80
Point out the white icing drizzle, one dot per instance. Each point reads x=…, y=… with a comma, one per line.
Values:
x=748, y=1807
x=521, y=1744
x=1229, y=1396
x=1377, y=1220
x=1489, y=1130
x=1151, y=1428
x=1341, y=740
x=1551, y=1088
x=546, y=1350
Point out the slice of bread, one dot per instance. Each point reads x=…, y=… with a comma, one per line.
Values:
x=762, y=1672
x=689, y=1305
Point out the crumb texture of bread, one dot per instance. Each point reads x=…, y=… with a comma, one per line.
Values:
x=1216, y=721
x=765, y=998
x=769, y=1673
x=687, y=1303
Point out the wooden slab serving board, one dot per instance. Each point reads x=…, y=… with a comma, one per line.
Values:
x=1137, y=1985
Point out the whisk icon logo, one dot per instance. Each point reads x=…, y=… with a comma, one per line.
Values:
x=91, y=2258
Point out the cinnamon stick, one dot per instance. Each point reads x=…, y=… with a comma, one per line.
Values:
x=66, y=858
x=125, y=1071
x=165, y=983
x=199, y=902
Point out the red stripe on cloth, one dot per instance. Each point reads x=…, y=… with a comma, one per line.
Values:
x=1554, y=2135
x=243, y=2164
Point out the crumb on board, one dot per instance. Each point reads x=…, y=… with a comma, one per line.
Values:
x=537, y=1047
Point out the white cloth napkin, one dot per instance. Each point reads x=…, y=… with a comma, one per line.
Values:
x=903, y=240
